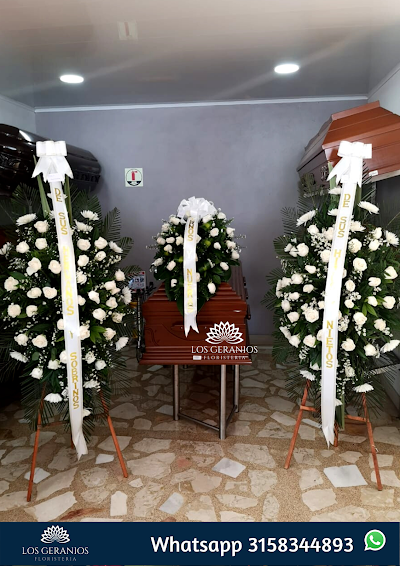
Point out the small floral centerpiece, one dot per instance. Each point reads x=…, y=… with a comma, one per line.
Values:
x=368, y=317
x=216, y=251
x=31, y=310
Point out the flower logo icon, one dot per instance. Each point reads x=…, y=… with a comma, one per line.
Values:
x=55, y=534
x=224, y=332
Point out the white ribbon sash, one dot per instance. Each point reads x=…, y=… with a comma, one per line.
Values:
x=53, y=165
x=349, y=172
x=193, y=210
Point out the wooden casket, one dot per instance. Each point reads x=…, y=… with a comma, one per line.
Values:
x=228, y=344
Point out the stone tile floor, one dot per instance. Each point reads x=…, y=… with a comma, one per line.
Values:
x=179, y=471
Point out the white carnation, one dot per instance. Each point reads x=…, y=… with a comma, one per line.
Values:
x=364, y=388
x=165, y=227
x=90, y=357
x=369, y=207
x=306, y=217
x=377, y=233
x=392, y=345
x=335, y=191
x=115, y=248
x=89, y=215
x=18, y=356
x=25, y=219
x=82, y=227
x=333, y=212
x=307, y=374
x=391, y=238
x=53, y=398
x=91, y=384
x=356, y=226
x=121, y=343
x=126, y=295
x=349, y=371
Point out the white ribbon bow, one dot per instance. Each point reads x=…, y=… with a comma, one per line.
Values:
x=350, y=167
x=52, y=160
x=349, y=172
x=53, y=165
x=194, y=210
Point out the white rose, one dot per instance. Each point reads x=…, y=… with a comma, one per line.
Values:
x=42, y=226
x=344, y=273
x=217, y=246
x=63, y=357
x=179, y=241
x=160, y=241
x=37, y=373
x=293, y=252
x=319, y=335
x=126, y=295
x=31, y=310
x=168, y=248
x=293, y=316
x=41, y=243
x=40, y=341
x=21, y=339
x=308, y=288
x=198, y=277
x=99, y=314
x=359, y=318
x=224, y=266
x=349, y=303
x=82, y=227
x=311, y=315
x=380, y=324
x=171, y=265
x=112, y=303
x=60, y=324
x=207, y=218
x=285, y=331
x=84, y=332
x=90, y=357
x=310, y=341
x=354, y=245
x=374, y=245
x=81, y=277
x=374, y=281
x=372, y=301
x=22, y=248
x=221, y=216
x=49, y=292
x=235, y=255
x=11, y=284
x=100, y=256
x=230, y=231
x=390, y=273
x=214, y=232
x=110, y=285
x=328, y=234
x=230, y=245
x=297, y=279
x=5, y=248
x=119, y=275
x=389, y=302
x=170, y=240
x=302, y=250
x=313, y=229
x=101, y=243
x=350, y=285
x=121, y=343
x=94, y=296
x=285, y=281
x=175, y=220
x=81, y=301
x=325, y=255
x=165, y=227
x=295, y=341
x=348, y=345
x=333, y=212
x=370, y=350
x=83, y=244
x=100, y=364
x=53, y=364
x=359, y=264
x=377, y=233
x=33, y=266
x=55, y=267
x=321, y=304
x=157, y=262
x=285, y=306
x=109, y=334
x=117, y=317
x=356, y=226
x=174, y=282
x=311, y=269
x=211, y=288
x=349, y=371
x=294, y=296
x=83, y=260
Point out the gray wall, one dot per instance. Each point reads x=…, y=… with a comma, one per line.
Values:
x=241, y=157
x=18, y=115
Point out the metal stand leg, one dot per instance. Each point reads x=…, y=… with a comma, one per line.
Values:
x=298, y=423
x=222, y=405
x=237, y=388
x=114, y=437
x=176, y=393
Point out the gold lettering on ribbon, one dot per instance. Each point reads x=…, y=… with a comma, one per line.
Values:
x=189, y=294
x=190, y=230
x=329, y=345
x=59, y=194
x=69, y=300
x=342, y=226
x=75, y=379
x=63, y=224
x=346, y=200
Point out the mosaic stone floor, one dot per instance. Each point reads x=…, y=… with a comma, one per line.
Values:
x=179, y=471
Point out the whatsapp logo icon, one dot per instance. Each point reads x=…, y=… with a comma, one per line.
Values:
x=374, y=540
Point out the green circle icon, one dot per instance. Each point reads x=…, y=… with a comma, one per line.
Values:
x=374, y=540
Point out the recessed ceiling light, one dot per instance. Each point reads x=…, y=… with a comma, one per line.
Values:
x=286, y=68
x=72, y=79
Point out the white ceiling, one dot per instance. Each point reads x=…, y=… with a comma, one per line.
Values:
x=193, y=50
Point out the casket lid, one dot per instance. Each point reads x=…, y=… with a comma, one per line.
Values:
x=369, y=123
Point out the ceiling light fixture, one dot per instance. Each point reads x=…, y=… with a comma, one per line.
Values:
x=71, y=79
x=286, y=68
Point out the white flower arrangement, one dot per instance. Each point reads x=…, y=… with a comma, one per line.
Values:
x=216, y=251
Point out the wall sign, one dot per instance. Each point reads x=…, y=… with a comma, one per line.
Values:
x=134, y=177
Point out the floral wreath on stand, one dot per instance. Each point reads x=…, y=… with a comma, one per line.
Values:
x=215, y=252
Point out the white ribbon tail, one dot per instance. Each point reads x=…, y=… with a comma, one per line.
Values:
x=189, y=275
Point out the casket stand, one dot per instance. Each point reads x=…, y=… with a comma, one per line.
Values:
x=166, y=343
